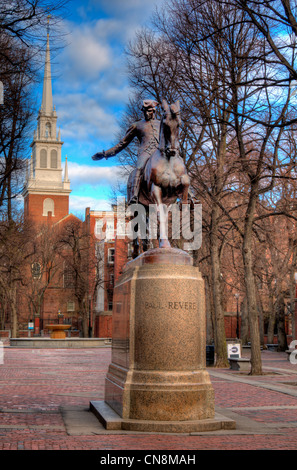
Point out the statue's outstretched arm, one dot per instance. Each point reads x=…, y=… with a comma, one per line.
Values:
x=129, y=136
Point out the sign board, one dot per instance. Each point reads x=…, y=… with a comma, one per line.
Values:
x=234, y=350
x=30, y=326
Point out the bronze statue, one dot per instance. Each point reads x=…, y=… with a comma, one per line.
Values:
x=165, y=177
x=161, y=176
x=147, y=131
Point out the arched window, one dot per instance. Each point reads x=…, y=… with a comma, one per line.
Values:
x=48, y=129
x=48, y=206
x=54, y=159
x=43, y=158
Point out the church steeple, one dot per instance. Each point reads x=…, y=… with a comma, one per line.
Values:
x=47, y=95
x=46, y=190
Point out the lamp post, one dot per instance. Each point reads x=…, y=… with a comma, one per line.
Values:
x=90, y=327
x=60, y=317
x=237, y=316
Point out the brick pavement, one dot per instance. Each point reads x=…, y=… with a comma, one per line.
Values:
x=45, y=395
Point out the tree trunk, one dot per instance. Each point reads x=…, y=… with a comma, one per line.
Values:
x=271, y=323
x=244, y=324
x=220, y=335
x=281, y=331
x=209, y=309
x=14, y=317
x=261, y=318
x=247, y=252
x=84, y=316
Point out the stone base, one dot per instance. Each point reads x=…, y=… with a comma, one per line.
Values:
x=157, y=380
x=113, y=422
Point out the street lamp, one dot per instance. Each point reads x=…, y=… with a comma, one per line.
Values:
x=237, y=316
x=60, y=316
x=89, y=306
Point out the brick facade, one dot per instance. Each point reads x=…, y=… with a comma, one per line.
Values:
x=33, y=207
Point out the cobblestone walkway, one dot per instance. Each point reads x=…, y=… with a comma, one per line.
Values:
x=45, y=395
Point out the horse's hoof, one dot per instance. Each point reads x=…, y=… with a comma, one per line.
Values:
x=164, y=244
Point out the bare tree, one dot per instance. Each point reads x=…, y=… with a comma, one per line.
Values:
x=42, y=268
x=76, y=247
x=15, y=247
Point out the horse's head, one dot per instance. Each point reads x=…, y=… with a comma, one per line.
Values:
x=170, y=126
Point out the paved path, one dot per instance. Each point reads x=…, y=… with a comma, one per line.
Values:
x=45, y=395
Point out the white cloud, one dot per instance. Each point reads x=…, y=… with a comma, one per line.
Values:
x=81, y=116
x=88, y=51
x=94, y=176
x=78, y=204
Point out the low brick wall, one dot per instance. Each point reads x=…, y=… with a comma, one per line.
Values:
x=60, y=343
x=4, y=333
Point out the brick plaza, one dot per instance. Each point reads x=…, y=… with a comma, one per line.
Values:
x=45, y=395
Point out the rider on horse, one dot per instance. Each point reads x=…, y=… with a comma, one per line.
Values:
x=147, y=131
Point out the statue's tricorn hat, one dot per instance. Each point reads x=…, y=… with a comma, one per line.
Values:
x=147, y=104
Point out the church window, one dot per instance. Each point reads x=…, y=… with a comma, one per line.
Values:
x=68, y=276
x=47, y=130
x=48, y=206
x=43, y=158
x=70, y=306
x=36, y=270
x=54, y=159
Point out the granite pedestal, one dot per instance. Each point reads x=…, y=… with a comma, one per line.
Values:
x=157, y=380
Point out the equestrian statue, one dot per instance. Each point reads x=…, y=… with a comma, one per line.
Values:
x=160, y=176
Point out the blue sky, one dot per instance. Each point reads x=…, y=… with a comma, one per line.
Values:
x=90, y=90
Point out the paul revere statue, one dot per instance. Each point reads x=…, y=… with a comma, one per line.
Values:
x=147, y=132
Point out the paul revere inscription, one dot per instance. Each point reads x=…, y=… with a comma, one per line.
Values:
x=171, y=305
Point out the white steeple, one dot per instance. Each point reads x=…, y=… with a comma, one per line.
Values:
x=46, y=172
x=47, y=95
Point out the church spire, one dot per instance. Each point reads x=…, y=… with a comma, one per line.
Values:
x=47, y=95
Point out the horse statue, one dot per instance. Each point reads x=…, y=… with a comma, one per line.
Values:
x=164, y=179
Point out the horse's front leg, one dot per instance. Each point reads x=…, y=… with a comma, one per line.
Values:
x=185, y=181
x=162, y=215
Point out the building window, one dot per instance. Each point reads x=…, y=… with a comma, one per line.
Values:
x=68, y=276
x=48, y=130
x=111, y=279
x=111, y=255
x=130, y=250
x=48, y=206
x=54, y=159
x=43, y=158
x=110, y=229
x=36, y=270
x=98, y=228
x=70, y=306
